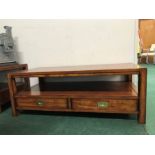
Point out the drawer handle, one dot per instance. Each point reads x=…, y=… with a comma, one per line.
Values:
x=40, y=103
x=102, y=104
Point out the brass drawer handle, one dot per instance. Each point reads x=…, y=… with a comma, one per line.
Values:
x=102, y=104
x=40, y=103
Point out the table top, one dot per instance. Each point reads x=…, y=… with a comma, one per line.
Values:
x=11, y=67
x=80, y=70
x=86, y=67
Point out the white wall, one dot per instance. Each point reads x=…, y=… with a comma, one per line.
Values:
x=73, y=42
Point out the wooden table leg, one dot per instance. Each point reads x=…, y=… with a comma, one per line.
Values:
x=129, y=78
x=27, y=83
x=142, y=95
x=27, y=80
x=12, y=90
x=0, y=108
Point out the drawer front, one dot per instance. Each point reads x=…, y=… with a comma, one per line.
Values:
x=42, y=103
x=105, y=105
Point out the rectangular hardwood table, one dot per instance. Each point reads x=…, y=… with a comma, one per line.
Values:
x=55, y=93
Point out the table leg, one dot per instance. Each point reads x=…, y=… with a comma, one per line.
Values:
x=27, y=83
x=142, y=95
x=26, y=80
x=129, y=78
x=12, y=90
x=0, y=108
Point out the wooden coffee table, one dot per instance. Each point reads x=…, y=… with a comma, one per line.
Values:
x=60, y=89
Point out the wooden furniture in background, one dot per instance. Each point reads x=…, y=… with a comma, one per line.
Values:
x=147, y=33
x=146, y=39
x=4, y=90
x=85, y=95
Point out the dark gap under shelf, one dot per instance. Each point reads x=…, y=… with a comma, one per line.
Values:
x=73, y=89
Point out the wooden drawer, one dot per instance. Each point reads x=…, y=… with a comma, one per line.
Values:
x=41, y=103
x=105, y=105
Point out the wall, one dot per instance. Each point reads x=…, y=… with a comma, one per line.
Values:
x=73, y=42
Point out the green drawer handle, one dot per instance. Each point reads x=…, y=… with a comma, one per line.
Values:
x=40, y=103
x=102, y=104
